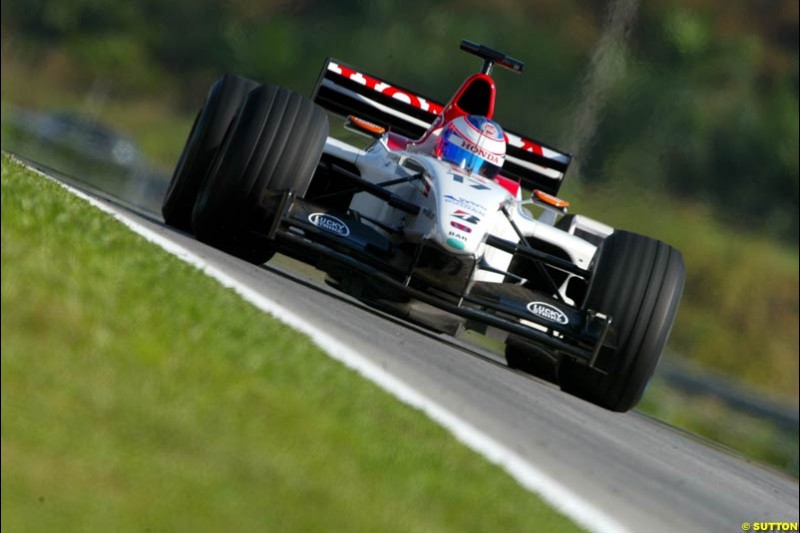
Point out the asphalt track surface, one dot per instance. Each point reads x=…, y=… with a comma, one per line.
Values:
x=648, y=476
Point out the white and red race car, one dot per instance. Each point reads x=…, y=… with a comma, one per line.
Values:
x=431, y=212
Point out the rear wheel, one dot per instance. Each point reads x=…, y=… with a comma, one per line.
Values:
x=637, y=281
x=273, y=146
x=204, y=141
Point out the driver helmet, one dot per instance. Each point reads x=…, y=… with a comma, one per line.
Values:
x=473, y=143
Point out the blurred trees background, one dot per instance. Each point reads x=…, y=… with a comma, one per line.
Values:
x=696, y=143
x=704, y=102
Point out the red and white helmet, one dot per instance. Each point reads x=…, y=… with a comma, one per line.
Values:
x=473, y=143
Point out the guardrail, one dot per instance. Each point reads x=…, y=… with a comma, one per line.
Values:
x=695, y=381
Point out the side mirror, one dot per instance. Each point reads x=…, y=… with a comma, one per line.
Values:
x=364, y=127
x=552, y=205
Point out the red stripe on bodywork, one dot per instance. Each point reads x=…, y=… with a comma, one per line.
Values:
x=508, y=184
x=384, y=88
x=452, y=111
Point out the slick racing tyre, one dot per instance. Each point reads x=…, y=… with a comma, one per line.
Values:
x=638, y=282
x=273, y=146
x=202, y=145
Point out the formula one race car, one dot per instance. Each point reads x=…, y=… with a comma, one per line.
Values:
x=432, y=213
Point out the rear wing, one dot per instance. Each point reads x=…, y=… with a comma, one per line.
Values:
x=344, y=91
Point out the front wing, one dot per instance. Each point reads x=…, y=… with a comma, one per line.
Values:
x=320, y=235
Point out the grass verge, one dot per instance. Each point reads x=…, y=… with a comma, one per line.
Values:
x=137, y=394
x=709, y=417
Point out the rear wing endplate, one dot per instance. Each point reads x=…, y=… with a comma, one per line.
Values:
x=345, y=91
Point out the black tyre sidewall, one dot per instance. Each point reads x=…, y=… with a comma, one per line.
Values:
x=273, y=146
x=205, y=138
x=638, y=281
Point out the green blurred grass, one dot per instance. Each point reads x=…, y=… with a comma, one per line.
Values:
x=137, y=394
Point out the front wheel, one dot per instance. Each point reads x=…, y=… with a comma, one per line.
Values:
x=204, y=141
x=273, y=146
x=638, y=282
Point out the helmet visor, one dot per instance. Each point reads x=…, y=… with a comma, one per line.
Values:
x=454, y=150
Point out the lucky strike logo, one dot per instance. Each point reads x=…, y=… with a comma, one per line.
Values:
x=548, y=312
x=329, y=223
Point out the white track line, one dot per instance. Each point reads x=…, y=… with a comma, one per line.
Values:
x=527, y=474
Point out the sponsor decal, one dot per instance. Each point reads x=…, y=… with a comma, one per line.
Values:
x=462, y=215
x=455, y=243
x=461, y=227
x=535, y=148
x=457, y=235
x=384, y=88
x=464, y=203
x=548, y=312
x=477, y=150
x=329, y=223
